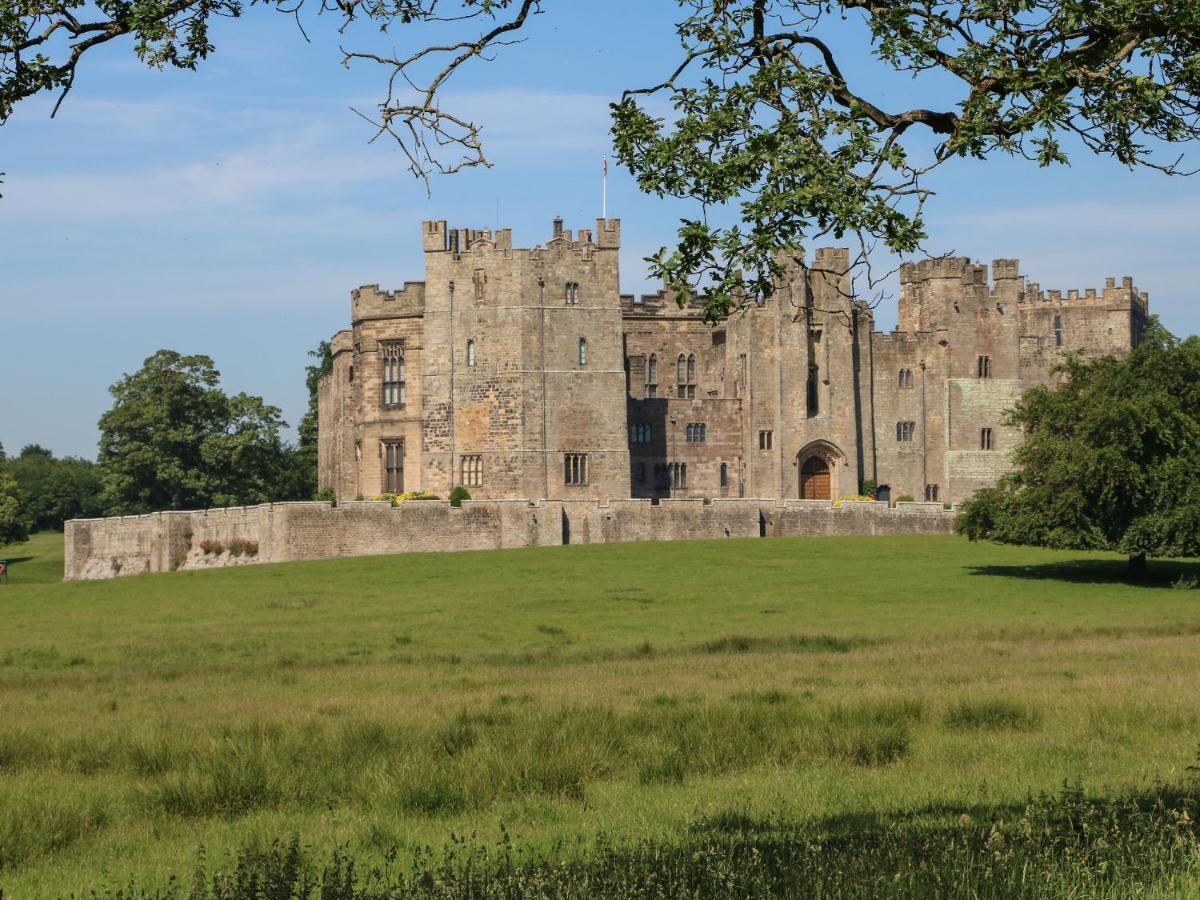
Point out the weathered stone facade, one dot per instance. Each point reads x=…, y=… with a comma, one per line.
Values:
x=526, y=374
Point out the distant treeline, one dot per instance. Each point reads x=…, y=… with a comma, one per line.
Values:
x=173, y=439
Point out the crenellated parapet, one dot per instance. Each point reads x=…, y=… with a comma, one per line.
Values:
x=943, y=267
x=1112, y=296
x=369, y=301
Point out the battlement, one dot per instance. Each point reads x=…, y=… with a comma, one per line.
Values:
x=832, y=259
x=369, y=300
x=959, y=267
x=436, y=237
x=1124, y=295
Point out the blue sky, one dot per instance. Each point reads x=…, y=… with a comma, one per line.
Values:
x=230, y=211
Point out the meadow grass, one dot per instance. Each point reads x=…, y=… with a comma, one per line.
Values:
x=584, y=702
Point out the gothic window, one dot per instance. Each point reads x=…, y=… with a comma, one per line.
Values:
x=471, y=470
x=393, y=374
x=679, y=475
x=905, y=431
x=471, y=353
x=765, y=439
x=691, y=376
x=985, y=439
x=724, y=475
x=906, y=378
x=931, y=493
x=575, y=468
x=572, y=293
x=393, y=467
x=696, y=432
x=1058, y=331
x=814, y=400
x=681, y=376
x=583, y=351
x=985, y=367
x=639, y=434
x=652, y=376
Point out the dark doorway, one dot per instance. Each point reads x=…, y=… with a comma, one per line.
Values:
x=814, y=479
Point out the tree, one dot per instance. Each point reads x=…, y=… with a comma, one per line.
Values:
x=174, y=440
x=770, y=136
x=306, y=451
x=1108, y=461
x=57, y=489
x=14, y=515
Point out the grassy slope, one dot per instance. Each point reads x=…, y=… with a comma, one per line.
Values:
x=565, y=691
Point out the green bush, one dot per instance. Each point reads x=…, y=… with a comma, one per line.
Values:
x=326, y=494
x=458, y=495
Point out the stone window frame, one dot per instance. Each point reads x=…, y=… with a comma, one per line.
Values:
x=470, y=470
x=724, y=476
x=582, y=351
x=394, y=388
x=905, y=379
x=685, y=376
x=766, y=440
x=813, y=386
x=1058, y=330
x=987, y=439
x=391, y=455
x=472, y=353
x=906, y=431
x=641, y=433
x=678, y=473
x=572, y=293
x=983, y=367
x=696, y=432
x=931, y=493
x=652, y=376
x=575, y=469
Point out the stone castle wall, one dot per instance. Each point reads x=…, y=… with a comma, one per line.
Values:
x=283, y=532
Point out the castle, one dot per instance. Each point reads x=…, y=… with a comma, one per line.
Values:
x=527, y=374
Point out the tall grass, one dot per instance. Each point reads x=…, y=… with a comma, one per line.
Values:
x=1061, y=845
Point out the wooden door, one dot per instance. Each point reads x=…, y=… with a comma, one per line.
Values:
x=814, y=479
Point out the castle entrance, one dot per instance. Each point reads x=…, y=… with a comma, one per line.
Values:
x=814, y=479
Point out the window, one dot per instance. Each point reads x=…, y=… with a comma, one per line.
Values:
x=985, y=439
x=640, y=434
x=393, y=374
x=685, y=376
x=931, y=493
x=724, y=475
x=652, y=376
x=471, y=470
x=583, y=351
x=985, y=367
x=692, y=373
x=572, y=293
x=906, y=379
x=905, y=431
x=352, y=373
x=471, y=353
x=575, y=468
x=765, y=439
x=813, y=398
x=696, y=432
x=640, y=471
x=1058, y=331
x=678, y=475
x=480, y=281
x=393, y=467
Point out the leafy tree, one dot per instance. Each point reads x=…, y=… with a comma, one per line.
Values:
x=306, y=451
x=174, y=440
x=1109, y=458
x=57, y=489
x=14, y=514
x=769, y=135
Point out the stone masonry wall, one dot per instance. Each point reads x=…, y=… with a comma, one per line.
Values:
x=170, y=541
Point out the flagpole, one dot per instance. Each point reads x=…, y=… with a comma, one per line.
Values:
x=604, y=193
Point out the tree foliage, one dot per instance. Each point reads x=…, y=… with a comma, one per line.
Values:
x=15, y=520
x=57, y=489
x=174, y=440
x=1109, y=458
x=769, y=132
x=306, y=449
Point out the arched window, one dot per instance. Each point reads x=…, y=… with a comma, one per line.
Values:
x=681, y=375
x=691, y=368
x=906, y=378
x=393, y=374
x=583, y=351
x=471, y=353
x=905, y=431
x=652, y=370
x=814, y=394
x=1058, y=331
x=572, y=293
x=724, y=475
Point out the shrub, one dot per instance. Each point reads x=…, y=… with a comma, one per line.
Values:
x=905, y=498
x=237, y=547
x=214, y=548
x=326, y=494
x=870, y=488
x=458, y=495
x=251, y=547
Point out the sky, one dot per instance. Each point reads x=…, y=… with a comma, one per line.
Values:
x=231, y=210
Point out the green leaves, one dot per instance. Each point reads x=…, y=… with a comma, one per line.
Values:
x=174, y=440
x=1109, y=458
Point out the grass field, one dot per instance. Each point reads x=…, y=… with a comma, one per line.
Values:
x=632, y=691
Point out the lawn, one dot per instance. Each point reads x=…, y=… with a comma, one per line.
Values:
x=557, y=695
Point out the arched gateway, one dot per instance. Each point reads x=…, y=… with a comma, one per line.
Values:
x=819, y=464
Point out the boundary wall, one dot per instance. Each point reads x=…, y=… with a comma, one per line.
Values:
x=283, y=532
